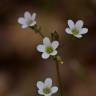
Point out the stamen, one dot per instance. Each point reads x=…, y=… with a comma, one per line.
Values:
x=46, y=90
x=75, y=31
x=49, y=49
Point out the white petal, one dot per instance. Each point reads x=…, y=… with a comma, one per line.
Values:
x=45, y=55
x=27, y=15
x=48, y=82
x=79, y=24
x=68, y=31
x=33, y=23
x=33, y=16
x=40, y=92
x=55, y=44
x=24, y=26
x=83, y=31
x=46, y=41
x=41, y=48
x=71, y=24
x=54, y=89
x=78, y=36
x=40, y=85
x=21, y=20
x=50, y=94
x=53, y=53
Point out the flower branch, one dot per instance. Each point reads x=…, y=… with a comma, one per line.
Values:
x=49, y=48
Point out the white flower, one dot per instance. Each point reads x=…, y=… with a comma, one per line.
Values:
x=28, y=20
x=77, y=29
x=48, y=48
x=46, y=88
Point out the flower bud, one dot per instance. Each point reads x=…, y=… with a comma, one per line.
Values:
x=58, y=59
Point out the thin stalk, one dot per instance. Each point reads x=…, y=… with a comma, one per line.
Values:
x=41, y=35
x=59, y=79
x=57, y=64
x=37, y=30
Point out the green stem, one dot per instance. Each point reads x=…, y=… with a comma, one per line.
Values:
x=41, y=35
x=57, y=64
x=37, y=30
x=59, y=79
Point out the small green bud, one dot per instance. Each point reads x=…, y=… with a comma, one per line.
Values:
x=58, y=59
x=54, y=36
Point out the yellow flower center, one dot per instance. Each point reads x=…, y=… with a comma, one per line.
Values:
x=29, y=22
x=46, y=90
x=49, y=50
x=75, y=31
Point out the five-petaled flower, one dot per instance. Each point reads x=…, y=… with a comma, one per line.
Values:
x=77, y=29
x=28, y=20
x=48, y=48
x=45, y=88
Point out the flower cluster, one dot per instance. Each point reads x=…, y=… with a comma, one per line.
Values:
x=49, y=47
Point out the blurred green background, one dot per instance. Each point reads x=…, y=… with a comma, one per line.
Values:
x=21, y=65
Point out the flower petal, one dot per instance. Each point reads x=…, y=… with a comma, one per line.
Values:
x=48, y=82
x=46, y=41
x=71, y=24
x=27, y=15
x=33, y=16
x=45, y=55
x=24, y=26
x=54, y=89
x=83, y=31
x=40, y=92
x=41, y=48
x=50, y=94
x=40, y=85
x=78, y=36
x=53, y=53
x=55, y=44
x=21, y=20
x=79, y=24
x=68, y=31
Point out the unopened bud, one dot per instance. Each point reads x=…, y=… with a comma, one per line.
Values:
x=58, y=59
x=54, y=36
